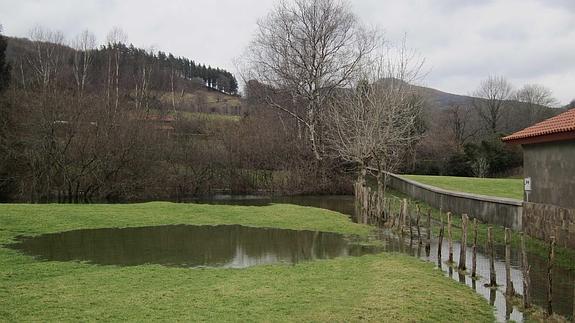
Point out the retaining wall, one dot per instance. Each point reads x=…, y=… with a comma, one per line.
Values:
x=543, y=221
x=500, y=211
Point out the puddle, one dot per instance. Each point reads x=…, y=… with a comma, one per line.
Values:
x=228, y=246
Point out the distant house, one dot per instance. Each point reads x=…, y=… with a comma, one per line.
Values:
x=549, y=159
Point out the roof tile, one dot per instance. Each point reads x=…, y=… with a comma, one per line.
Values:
x=563, y=122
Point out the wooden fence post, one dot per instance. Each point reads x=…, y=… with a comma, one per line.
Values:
x=526, y=269
x=509, y=289
x=463, y=248
x=428, y=243
x=550, y=277
x=397, y=222
x=418, y=225
x=440, y=242
x=474, y=260
x=449, y=238
x=492, y=275
x=404, y=212
x=408, y=221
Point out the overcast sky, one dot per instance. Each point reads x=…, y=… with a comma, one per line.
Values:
x=463, y=41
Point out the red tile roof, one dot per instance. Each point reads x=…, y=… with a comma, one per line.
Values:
x=563, y=124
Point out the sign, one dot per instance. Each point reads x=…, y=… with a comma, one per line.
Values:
x=527, y=183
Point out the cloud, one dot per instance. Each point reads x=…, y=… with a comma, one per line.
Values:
x=464, y=41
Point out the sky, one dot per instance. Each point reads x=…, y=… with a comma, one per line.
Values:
x=462, y=41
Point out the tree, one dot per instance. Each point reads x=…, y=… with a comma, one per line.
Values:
x=47, y=62
x=491, y=101
x=47, y=59
x=84, y=45
x=458, y=121
x=377, y=122
x=537, y=98
x=309, y=48
x=4, y=66
x=6, y=125
x=116, y=39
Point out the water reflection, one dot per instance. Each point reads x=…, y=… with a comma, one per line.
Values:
x=229, y=246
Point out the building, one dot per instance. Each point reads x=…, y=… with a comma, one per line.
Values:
x=549, y=159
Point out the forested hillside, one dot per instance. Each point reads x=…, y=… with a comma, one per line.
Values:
x=82, y=124
x=160, y=66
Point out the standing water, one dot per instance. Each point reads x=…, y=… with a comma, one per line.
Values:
x=562, y=279
x=228, y=246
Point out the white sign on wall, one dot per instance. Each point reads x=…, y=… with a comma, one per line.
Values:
x=527, y=183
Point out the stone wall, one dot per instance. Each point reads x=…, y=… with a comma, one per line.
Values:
x=551, y=167
x=499, y=211
x=543, y=221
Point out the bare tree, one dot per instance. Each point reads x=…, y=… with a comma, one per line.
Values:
x=491, y=100
x=537, y=98
x=84, y=45
x=115, y=38
x=47, y=58
x=458, y=121
x=143, y=82
x=376, y=122
x=309, y=48
x=46, y=62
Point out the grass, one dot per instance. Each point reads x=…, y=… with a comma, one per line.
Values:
x=209, y=116
x=384, y=287
x=499, y=187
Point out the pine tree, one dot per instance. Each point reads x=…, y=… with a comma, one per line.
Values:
x=4, y=66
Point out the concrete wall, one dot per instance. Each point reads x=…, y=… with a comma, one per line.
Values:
x=543, y=221
x=500, y=211
x=551, y=167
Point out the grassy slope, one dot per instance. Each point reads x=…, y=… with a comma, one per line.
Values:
x=500, y=187
x=376, y=287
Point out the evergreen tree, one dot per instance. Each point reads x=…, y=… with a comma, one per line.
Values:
x=4, y=67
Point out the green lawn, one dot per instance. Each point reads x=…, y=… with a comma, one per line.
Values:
x=500, y=187
x=384, y=287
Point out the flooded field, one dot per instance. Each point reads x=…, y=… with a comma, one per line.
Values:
x=563, y=280
x=234, y=246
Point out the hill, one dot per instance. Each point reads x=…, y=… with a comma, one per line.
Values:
x=162, y=81
x=440, y=99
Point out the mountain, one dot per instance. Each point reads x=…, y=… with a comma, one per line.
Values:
x=441, y=106
x=440, y=99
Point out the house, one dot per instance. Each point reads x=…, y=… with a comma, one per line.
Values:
x=549, y=159
x=549, y=162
